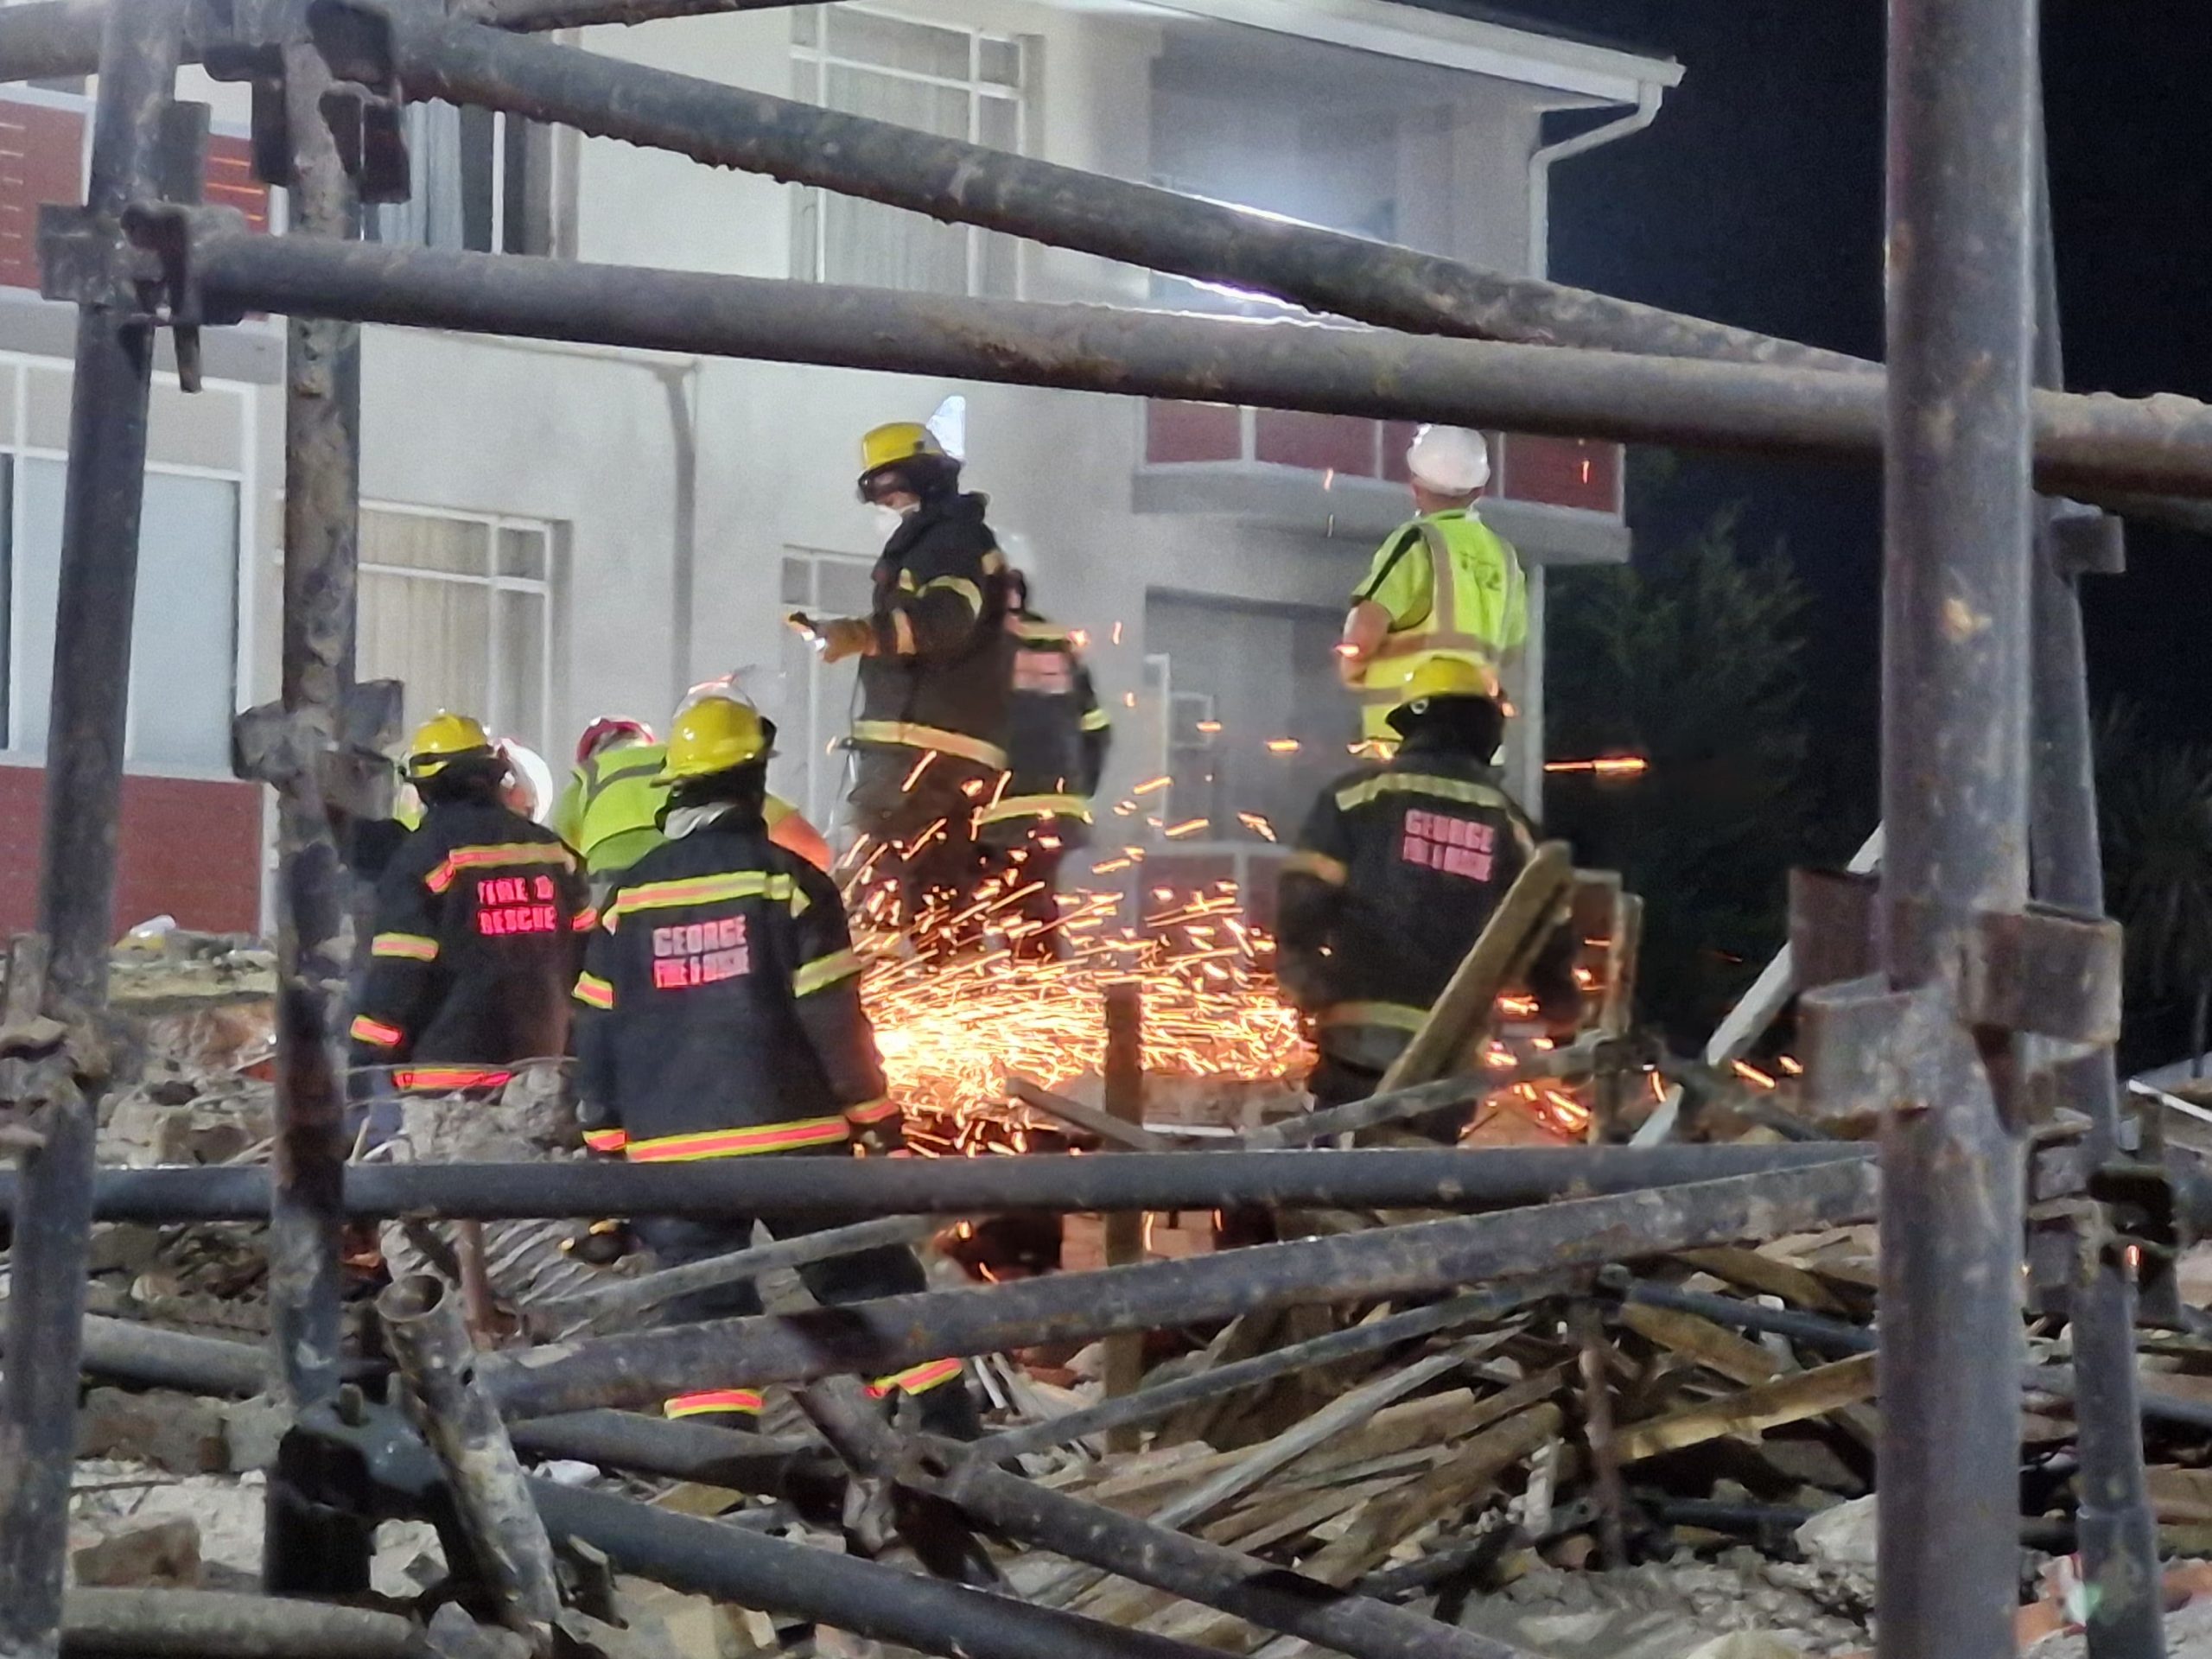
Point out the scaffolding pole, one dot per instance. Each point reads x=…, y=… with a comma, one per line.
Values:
x=132, y=123
x=871, y=1339
x=1954, y=661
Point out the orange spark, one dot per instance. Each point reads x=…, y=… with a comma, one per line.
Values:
x=1282, y=745
x=1188, y=827
x=921, y=766
x=1752, y=1075
x=1153, y=786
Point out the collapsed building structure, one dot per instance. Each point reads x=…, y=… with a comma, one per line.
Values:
x=1966, y=1000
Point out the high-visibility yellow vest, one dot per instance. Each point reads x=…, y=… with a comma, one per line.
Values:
x=1453, y=587
x=611, y=810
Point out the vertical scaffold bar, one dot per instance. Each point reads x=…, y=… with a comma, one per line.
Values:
x=2119, y=1536
x=308, y=1551
x=84, y=790
x=1954, y=663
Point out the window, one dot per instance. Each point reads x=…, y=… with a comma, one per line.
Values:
x=458, y=607
x=484, y=182
x=184, y=639
x=954, y=83
x=813, y=702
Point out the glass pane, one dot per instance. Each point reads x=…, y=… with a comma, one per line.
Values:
x=520, y=705
x=479, y=152
x=788, y=701
x=416, y=541
x=917, y=103
x=1001, y=62
x=184, y=647
x=430, y=635
x=999, y=123
x=806, y=234
x=848, y=588
x=875, y=246
x=522, y=551
x=999, y=275
x=806, y=80
x=37, y=574
x=806, y=25
x=797, y=589
x=899, y=45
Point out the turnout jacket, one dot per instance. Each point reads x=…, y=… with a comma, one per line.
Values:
x=1397, y=869
x=478, y=915
x=720, y=1007
x=1057, y=734
x=940, y=674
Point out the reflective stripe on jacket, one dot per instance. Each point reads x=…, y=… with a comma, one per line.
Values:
x=1454, y=588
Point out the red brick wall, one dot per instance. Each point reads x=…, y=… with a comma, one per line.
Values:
x=42, y=160
x=191, y=847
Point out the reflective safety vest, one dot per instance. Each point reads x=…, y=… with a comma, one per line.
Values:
x=1453, y=587
x=611, y=810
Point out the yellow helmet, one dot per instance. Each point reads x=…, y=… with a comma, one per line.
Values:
x=443, y=739
x=889, y=445
x=1441, y=676
x=712, y=736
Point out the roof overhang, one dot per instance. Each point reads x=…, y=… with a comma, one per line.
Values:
x=1596, y=73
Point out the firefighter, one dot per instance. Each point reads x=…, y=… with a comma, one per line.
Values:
x=479, y=919
x=1444, y=586
x=1400, y=865
x=935, y=673
x=721, y=1018
x=610, y=811
x=1057, y=740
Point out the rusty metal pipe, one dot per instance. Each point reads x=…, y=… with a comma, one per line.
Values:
x=873, y=1338
x=429, y=1342
x=1370, y=1178
x=2158, y=444
x=219, y=1625
x=1957, y=551
x=103, y=494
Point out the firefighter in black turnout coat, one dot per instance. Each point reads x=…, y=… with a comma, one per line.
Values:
x=479, y=917
x=721, y=1018
x=1397, y=870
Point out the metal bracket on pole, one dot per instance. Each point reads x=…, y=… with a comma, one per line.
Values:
x=270, y=746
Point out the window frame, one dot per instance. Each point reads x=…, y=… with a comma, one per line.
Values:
x=17, y=749
x=546, y=588
x=815, y=60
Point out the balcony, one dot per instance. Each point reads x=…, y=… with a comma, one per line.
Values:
x=1559, y=499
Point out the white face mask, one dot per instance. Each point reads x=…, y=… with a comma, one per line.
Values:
x=888, y=519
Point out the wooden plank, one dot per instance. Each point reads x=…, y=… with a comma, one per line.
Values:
x=1455, y=1485
x=1786, y=1400
x=1717, y=1348
x=1763, y=1273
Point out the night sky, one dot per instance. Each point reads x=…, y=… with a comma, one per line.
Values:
x=1757, y=199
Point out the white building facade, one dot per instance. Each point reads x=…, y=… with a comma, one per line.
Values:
x=551, y=533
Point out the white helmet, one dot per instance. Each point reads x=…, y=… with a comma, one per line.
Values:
x=1449, y=460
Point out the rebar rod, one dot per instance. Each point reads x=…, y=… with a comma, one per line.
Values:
x=1954, y=763
x=1394, y=1177
x=103, y=492
x=876, y=1337
x=429, y=1342
x=2163, y=443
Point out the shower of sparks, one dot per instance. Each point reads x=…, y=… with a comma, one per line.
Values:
x=1257, y=824
x=953, y=1027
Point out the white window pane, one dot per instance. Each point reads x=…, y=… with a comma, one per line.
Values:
x=797, y=583
x=806, y=25
x=899, y=45
x=806, y=81
x=432, y=636
x=523, y=552
x=519, y=709
x=184, y=645
x=37, y=573
x=999, y=123
x=999, y=275
x=416, y=541
x=871, y=245
x=917, y=103
x=848, y=588
x=999, y=62
x=789, y=705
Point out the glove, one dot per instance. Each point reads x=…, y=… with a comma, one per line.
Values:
x=602, y=1244
x=846, y=636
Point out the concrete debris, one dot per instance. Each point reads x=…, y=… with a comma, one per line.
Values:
x=164, y=1555
x=409, y=1559
x=1667, y=1611
x=108, y=1499
x=2188, y=1635
x=180, y=1433
x=1841, y=1539
x=252, y=1430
